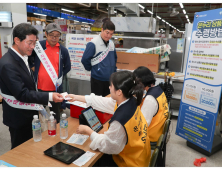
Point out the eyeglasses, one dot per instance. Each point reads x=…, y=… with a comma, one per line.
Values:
x=30, y=43
x=52, y=36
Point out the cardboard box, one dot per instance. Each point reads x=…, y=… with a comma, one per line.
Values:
x=75, y=111
x=78, y=27
x=130, y=61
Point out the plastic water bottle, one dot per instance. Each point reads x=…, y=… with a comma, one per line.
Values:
x=63, y=127
x=36, y=129
x=52, y=125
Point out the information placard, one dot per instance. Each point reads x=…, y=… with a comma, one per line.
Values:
x=203, y=81
x=76, y=45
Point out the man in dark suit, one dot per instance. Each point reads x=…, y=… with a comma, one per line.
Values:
x=16, y=80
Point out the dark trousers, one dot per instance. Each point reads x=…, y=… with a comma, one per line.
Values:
x=20, y=135
x=100, y=88
x=55, y=108
x=105, y=161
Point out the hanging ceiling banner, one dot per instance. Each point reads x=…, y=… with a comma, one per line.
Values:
x=33, y=9
x=202, y=82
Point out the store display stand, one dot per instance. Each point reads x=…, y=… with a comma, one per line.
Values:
x=217, y=145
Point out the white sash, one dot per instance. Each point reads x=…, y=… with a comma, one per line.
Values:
x=47, y=65
x=101, y=57
x=11, y=101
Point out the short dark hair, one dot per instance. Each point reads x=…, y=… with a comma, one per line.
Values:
x=107, y=24
x=127, y=82
x=145, y=75
x=23, y=29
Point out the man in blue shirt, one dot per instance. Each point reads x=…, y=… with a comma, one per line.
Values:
x=100, y=58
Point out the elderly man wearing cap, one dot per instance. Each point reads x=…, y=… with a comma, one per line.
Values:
x=52, y=62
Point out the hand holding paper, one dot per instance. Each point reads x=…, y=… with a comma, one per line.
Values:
x=76, y=98
x=66, y=96
x=71, y=97
x=57, y=97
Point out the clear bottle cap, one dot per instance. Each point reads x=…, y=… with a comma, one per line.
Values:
x=35, y=116
x=64, y=115
x=51, y=117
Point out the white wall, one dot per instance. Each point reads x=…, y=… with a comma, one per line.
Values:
x=19, y=15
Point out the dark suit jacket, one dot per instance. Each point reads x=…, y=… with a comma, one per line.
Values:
x=15, y=80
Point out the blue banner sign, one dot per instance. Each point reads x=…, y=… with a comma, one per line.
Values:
x=33, y=9
x=202, y=82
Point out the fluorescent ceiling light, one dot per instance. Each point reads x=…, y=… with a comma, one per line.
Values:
x=184, y=11
x=39, y=14
x=60, y=18
x=142, y=11
x=3, y=14
x=67, y=10
x=158, y=17
x=189, y=22
x=76, y=21
x=85, y=22
x=181, y=5
x=141, y=6
x=115, y=12
x=163, y=20
x=149, y=11
x=186, y=16
x=167, y=23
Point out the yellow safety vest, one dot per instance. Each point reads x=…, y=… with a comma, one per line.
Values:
x=136, y=152
x=156, y=126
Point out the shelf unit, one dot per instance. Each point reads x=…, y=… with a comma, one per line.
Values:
x=30, y=19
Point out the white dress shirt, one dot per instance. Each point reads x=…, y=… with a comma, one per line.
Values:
x=114, y=139
x=25, y=59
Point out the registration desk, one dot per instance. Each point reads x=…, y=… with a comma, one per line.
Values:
x=30, y=153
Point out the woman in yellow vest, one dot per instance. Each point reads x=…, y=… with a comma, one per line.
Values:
x=126, y=142
x=154, y=105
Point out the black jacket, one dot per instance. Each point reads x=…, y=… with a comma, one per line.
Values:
x=15, y=80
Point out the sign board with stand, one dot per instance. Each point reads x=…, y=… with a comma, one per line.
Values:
x=76, y=45
x=202, y=83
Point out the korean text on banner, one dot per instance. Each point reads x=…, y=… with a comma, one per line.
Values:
x=76, y=44
x=202, y=82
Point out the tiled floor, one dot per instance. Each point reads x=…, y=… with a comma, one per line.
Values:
x=178, y=154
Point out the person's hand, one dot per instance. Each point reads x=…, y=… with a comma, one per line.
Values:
x=57, y=97
x=83, y=129
x=72, y=96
